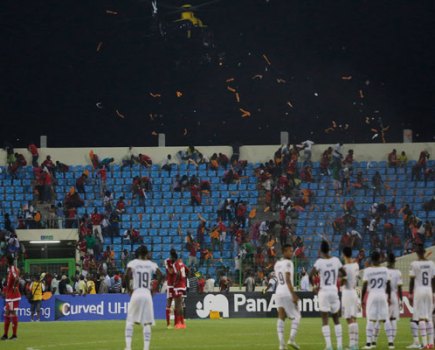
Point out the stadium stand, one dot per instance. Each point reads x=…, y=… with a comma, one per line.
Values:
x=164, y=216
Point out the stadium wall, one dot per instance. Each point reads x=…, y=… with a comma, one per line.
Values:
x=103, y=307
x=254, y=154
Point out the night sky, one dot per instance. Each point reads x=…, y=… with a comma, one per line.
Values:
x=53, y=76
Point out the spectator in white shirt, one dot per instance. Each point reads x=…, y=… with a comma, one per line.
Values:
x=209, y=285
x=307, y=147
x=167, y=162
x=337, y=154
x=305, y=282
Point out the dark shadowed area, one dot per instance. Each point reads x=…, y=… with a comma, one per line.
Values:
x=106, y=73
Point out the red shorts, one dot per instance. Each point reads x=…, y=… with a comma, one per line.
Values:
x=179, y=292
x=170, y=292
x=12, y=305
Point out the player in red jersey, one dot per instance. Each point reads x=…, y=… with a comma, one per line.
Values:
x=180, y=285
x=170, y=277
x=12, y=300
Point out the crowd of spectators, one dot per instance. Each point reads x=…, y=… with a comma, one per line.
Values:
x=255, y=239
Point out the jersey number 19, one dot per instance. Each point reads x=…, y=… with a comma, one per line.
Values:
x=143, y=279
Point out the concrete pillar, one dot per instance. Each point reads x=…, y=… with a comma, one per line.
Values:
x=284, y=137
x=162, y=140
x=43, y=141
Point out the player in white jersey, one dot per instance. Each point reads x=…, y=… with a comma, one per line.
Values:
x=286, y=298
x=376, y=282
x=329, y=270
x=138, y=279
x=421, y=289
x=349, y=297
x=395, y=277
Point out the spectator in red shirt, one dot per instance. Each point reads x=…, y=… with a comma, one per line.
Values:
x=223, y=160
x=94, y=159
x=120, y=205
x=80, y=183
x=392, y=159
x=35, y=155
x=96, y=219
x=348, y=160
x=144, y=160
x=48, y=163
x=195, y=195
x=325, y=161
x=241, y=210
x=103, y=176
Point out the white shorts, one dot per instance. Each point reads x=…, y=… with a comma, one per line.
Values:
x=423, y=305
x=329, y=301
x=377, y=307
x=286, y=302
x=394, y=309
x=349, y=304
x=140, y=309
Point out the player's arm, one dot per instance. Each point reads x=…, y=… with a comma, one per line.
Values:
x=289, y=284
x=388, y=290
x=364, y=291
x=127, y=278
x=177, y=275
x=343, y=275
x=159, y=278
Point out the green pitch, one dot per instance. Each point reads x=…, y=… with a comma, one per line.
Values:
x=227, y=334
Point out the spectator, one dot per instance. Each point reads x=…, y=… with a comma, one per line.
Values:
x=35, y=155
x=102, y=173
x=107, y=202
x=305, y=282
x=94, y=160
x=193, y=282
x=114, y=225
x=73, y=200
x=209, y=284
x=96, y=219
x=193, y=251
x=125, y=257
x=120, y=205
x=429, y=205
x=116, y=286
x=403, y=159
x=128, y=159
x=144, y=160
x=224, y=284
x=8, y=223
x=176, y=185
x=348, y=160
x=37, y=288
x=223, y=160
x=80, y=183
x=392, y=159
x=250, y=283
x=81, y=287
x=378, y=185
x=195, y=195
x=337, y=154
x=90, y=243
x=307, y=147
x=167, y=163
x=325, y=161
x=49, y=165
x=61, y=168
x=60, y=215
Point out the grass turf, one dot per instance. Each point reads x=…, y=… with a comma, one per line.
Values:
x=228, y=334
